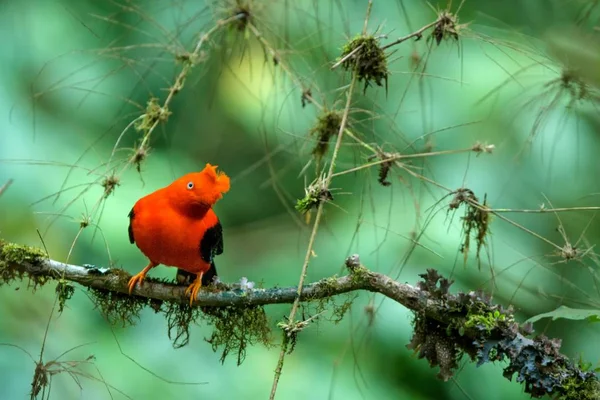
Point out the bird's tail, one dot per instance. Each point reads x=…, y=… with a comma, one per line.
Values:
x=186, y=278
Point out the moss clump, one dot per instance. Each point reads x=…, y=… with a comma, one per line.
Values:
x=487, y=321
x=571, y=81
x=237, y=327
x=487, y=333
x=118, y=307
x=18, y=254
x=12, y=256
x=384, y=171
x=153, y=115
x=327, y=126
x=365, y=57
x=387, y=162
x=339, y=310
x=359, y=274
x=578, y=388
x=139, y=155
x=431, y=341
x=243, y=11
x=446, y=28
x=315, y=194
x=109, y=184
x=179, y=318
x=329, y=286
x=442, y=345
x=476, y=221
x=64, y=291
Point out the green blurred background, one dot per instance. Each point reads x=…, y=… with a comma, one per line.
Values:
x=76, y=73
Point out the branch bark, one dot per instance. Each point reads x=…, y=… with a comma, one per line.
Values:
x=447, y=326
x=115, y=280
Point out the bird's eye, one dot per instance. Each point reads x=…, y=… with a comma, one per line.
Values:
x=190, y=185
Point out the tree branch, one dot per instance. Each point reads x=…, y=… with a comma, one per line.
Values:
x=447, y=326
x=115, y=280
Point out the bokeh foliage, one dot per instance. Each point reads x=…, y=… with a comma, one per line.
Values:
x=522, y=75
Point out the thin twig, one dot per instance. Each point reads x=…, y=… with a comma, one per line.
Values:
x=283, y=65
x=313, y=235
x=347, y=56
x=542, y=210
x=396, y=157
x=5, y=186
x=417, y=33
x=181, y=78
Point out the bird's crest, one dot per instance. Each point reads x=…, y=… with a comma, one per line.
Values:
x=218, y=178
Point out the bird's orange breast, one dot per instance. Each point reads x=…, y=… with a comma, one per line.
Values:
x=168, y=237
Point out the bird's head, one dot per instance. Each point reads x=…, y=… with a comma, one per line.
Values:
x=202, y=188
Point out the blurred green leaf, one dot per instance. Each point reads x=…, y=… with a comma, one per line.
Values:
x=569, y=313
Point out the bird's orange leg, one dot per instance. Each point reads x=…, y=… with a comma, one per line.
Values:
x=140, y=277
x=195, y=287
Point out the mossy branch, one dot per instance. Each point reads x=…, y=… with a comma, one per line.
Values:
x=21, y=264
x=446, y=326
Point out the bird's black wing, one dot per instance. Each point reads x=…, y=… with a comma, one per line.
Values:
x=130, y=229
x=211, y=245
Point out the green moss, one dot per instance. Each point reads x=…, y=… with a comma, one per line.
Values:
x=12, y=256
x=153, y=115
x=315, y=194
x=118, y=307
x=328, y=285
x=64, y=291
x=365, y=57
x=476, y=221
x=359, y=274
x=488, y=321
x=307, y=203
x=483, y=318
x=339, y=310
x=327, y=126
x=330, y=288
x=15, y=253
x=575, y=388
x=237, y=327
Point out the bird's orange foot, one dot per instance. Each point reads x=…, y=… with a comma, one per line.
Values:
x=139, y=277
x=194, y=288
x=135, y=279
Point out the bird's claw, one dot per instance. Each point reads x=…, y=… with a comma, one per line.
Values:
x=139, y=277
x=135, y=279
x=194, y=288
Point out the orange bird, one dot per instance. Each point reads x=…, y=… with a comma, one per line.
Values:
x=176, y=226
